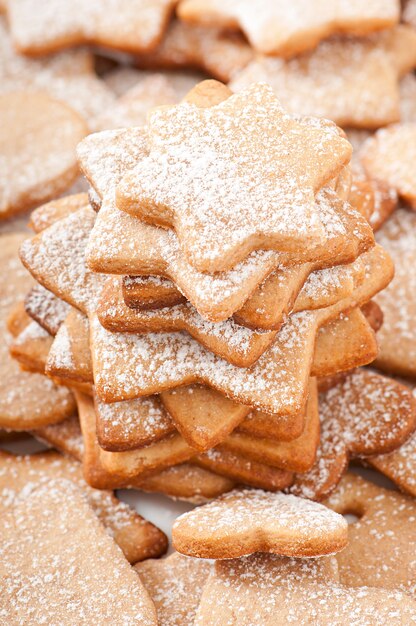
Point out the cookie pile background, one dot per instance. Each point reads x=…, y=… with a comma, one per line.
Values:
x=207, y=307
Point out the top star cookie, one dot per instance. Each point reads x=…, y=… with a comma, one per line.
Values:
x=130, y=25
x=287, y=28
x=235, y=177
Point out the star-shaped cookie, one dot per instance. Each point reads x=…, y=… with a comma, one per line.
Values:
x=209, y=49
x=354, y=82
x=235, y=177
x=287, y=29
x=129, y=25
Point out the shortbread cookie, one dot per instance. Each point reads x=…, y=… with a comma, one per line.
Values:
x=216, y=298
x=175, y=585
x=31, y=348
x=211, y=50
x=38, y=141
x=203, y=416
x=274, y=591
x=130, y=26
x=81, y=289
x=51, y=212
x=390, y=157
x=67, y=76
x=46, y=309
x=283, y=291
x=130, y=425
x=26, y=400
x=399, y=465
x=137, y=538
x=150, y=292
x=65, y=437
x=244, y=471
x=55, y=519
x=110, y=350
x=236, y=344
x=281, y=428
x=185, y=482
x=126, y=467
x=381, y=543
x=297, y=455
x=267, y=522
x=285, y=31
x=384, y=198
x=214, y=248
x=354, y=82
x=407, y=98
x=363, y=415
x=266, y=308
x=69, y=356
x=397, y=337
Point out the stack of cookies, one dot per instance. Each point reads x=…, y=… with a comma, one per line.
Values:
x=221, y=273
x=195, y=316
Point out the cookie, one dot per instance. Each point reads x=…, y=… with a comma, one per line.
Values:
x=56, y=519
x=274, y=591
x=244, y=471
x=381, y=542
x=286, y=31
x=125, y=467
x=407, y=98
x=213, y=248
x=129, y=26
x=266, y=308
x=46, y=309
x=211, y=50
x=267, y=522
x=297, y=455
x=384, y=199
x=290, y=289
x=237, y=345
x=113, y=349
x=399, y=465
x=67, y=76
x=51, y=212
x=38, y=141
x=389, y=157
x=66, y=436
x=365, y=414
x=183, y=481
x=103, y=344
x=150, y=292
x=354, y=82
x=215, y=297
x=31, y=348
x=397, y=337
x=69, y=357
x=130, y=425
x=137, y=538
x=203, y=416
x=26, y=400
x=175, y=585
x=218, y=296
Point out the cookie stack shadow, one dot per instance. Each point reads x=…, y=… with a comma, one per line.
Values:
x=203, y=344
